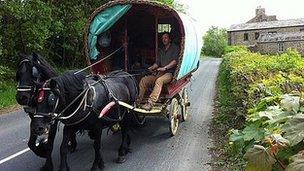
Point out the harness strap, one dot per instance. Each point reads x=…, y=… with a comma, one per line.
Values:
x=24, y=88
x=83, y=102
x=99, y=60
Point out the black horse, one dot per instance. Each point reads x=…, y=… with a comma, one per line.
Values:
x=32, y=72
x=78, y=104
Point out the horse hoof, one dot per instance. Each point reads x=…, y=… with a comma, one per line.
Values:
x=64, y=169
x=101, y=165
x=46, y=168
x=94, y=167
x=121, y=159
x=98, y=166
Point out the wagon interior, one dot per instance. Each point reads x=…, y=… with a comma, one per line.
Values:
x=139, y=31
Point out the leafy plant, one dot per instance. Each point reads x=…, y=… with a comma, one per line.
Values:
x=297, y=162
x=267, y=91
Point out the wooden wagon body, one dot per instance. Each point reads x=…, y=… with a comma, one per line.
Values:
x=125, y=35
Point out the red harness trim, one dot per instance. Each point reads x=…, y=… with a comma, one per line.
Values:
x=106, y=109
x=40, y=96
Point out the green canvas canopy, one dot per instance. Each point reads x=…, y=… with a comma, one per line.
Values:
x=103, y=22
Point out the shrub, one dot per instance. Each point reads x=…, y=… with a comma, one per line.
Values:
x=257, y=84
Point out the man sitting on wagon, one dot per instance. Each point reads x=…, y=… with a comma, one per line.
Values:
x=165, y=68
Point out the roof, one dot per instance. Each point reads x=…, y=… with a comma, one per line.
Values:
x=279, y=37
x=267, y=24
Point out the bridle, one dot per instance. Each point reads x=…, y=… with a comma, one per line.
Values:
x=28, y=88
x=52, y=114
x=58, y=116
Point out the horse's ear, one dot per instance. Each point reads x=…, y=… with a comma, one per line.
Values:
x=35, y=57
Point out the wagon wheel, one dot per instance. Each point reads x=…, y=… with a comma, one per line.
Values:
x=175, y=109
x=185, y=104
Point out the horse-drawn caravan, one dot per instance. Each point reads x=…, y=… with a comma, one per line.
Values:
x=121, y=39
x=126, y=35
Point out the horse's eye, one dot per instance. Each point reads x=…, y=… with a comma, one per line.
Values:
x=51, y=99
x=35, y=72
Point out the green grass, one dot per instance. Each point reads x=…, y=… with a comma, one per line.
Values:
x=7, y=94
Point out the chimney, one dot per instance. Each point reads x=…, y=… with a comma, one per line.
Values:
x=260, y=11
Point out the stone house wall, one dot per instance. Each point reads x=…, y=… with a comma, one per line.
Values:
x=272, y=47
x=237, y=37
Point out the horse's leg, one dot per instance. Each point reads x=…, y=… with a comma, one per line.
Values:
x=39, y=151
x=67, y=132
x=98, y=162
x=49, y=163
x=72, y=143
x=125, y=142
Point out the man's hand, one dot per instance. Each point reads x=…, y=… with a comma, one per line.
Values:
x=162, y=69
x=153, y=67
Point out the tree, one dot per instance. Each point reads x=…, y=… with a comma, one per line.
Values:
x=52, y=28
x=25, y=27
x=168, y=2
x=215, y=41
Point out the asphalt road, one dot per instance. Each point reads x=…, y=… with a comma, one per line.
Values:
x=152, y=146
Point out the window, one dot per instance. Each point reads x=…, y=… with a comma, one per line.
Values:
x=164, y=28
x=256, y=35
x=245, y=36
x=280, y=46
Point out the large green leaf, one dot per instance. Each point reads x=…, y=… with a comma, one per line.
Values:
x=236, y=135
x=253, y=131
x=290, y=103
x=294, y=129
x=259, y=159
x=297, y=164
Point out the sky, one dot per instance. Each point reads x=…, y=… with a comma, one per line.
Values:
x=223, y=13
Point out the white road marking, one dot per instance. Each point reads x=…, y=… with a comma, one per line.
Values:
x=14, y=155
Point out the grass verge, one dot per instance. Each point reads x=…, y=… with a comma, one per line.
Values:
x=7, y=96
x=224, y=118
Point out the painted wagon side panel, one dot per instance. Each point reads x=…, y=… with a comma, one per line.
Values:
x=101, y=23
x=192, y=49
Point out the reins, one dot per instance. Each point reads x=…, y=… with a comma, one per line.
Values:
x=99, y=60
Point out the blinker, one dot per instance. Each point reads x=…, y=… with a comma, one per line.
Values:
x=51, y=99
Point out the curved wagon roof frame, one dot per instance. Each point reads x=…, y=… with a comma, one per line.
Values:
x=190, y=44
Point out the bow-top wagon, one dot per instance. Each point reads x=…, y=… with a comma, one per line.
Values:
x=125, y=35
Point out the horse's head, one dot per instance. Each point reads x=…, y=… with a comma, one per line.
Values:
x=48, y=103
x=32, y=71
x=26, y=76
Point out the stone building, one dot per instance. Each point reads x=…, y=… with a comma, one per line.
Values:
x=266, y=34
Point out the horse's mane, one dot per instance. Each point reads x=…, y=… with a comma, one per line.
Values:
x=45, y=67
x=70, y=84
